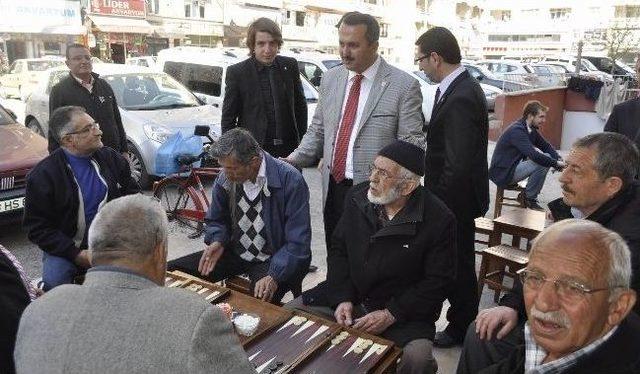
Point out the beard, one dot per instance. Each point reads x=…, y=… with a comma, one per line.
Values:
x=390, y=196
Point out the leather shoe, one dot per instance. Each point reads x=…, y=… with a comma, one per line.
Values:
x=533, y=204
x=444, y=340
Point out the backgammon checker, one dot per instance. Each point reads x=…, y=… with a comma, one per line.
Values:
x=172, y=280
x=206, y=290
x=278, y=350
x=350, y=351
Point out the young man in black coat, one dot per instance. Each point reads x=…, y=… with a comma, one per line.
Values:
x=598, y=183
x=65, y=191
x=264, y=93
x=624, y=116
x=522, y=152
x=456, y=164
x=84, y=88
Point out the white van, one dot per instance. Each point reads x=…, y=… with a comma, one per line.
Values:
x=203, y=71
x=313, y=64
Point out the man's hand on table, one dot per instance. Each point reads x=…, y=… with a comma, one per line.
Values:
x=489, y=319
x=82, y=259
x=344, y=313
x=210, y=257
x=375, y=322
x=265, y=288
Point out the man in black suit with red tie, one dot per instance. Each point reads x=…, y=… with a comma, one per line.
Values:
x=264, y=93
x=456, y=164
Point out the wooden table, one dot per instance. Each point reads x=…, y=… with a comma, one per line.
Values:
x=520, y=223
x=273, y=316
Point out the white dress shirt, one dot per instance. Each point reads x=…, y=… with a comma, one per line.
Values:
x=446, y=82
x=253, y=189
x=87, y=86
x=365, y=88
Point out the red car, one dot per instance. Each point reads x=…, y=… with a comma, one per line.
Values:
x=20, y=150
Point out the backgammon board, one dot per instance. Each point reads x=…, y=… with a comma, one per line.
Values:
x=208, y=291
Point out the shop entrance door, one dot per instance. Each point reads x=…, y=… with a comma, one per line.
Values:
x=117, y=53
x=16, y=50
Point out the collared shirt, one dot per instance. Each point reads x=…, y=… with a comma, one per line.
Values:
x=446, y=82
x=253, y=189
x=87, y=85
x=365, y=88
x=534, y=354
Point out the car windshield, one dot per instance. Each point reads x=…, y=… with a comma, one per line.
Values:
x=331, y=63
x=43, y=65
x=5, y=118
x=310, y=92
x=149, y=91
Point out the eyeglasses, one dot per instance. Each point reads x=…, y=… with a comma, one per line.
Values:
x=417, y=60
x=569, y=291
x=80, y=58
x=382, y=173
x=93, y=126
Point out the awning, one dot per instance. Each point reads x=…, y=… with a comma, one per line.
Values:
x=121, y=25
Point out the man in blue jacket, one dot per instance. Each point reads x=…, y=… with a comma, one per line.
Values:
x=523, y=153
x=258, y=223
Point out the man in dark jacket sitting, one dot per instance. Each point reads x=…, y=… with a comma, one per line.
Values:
x=258, y=223
x=598, y=185
x=393, y=257
x=578, y=303
x=65, y=191
x=522, y=152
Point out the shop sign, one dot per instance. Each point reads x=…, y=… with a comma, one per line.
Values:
x=125, y=8
x=37, y=16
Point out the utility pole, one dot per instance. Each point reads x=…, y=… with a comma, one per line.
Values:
x=579, y=57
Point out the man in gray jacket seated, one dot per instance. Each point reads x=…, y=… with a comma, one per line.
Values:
x=122, y=320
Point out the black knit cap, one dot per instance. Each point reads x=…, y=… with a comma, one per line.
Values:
x=407, y=155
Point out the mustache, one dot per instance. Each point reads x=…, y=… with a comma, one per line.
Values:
x=556, y=317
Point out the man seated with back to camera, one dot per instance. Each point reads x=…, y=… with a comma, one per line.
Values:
x=392, y=258
x=258, y=222
x=598, y=185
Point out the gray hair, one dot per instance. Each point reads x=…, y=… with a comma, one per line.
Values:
x=405, y=173
x=238, y=143
x=616, y=155
x=129, y=227
x=61, y=121
x=619, y=274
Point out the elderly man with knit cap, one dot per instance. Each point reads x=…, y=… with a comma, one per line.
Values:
x=392, y=257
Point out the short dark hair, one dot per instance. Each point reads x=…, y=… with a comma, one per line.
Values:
x=441, y=41
x=61, y=120
x=238, y=143
x=533, y=107
x=262, y=24
x=356, y=18
x=616, y=155
x=75, y=45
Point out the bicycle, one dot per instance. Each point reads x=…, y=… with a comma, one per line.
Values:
x=184, y=197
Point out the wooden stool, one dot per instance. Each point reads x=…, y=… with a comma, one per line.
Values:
x=502, y=199
x=484, y=226
x=495, y=261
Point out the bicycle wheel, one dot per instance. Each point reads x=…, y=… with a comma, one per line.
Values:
x=174, y=198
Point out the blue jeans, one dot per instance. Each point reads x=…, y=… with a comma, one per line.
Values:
x=57, y=270
x=536, y=174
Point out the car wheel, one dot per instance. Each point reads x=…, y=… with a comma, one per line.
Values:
x=138, y=169
x=34, y=126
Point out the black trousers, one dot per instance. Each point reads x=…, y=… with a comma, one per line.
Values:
x=479, y=354
x=334, y=206
x=463, y=294
x=231, y=264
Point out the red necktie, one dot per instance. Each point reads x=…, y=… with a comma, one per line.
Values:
x=344, y=134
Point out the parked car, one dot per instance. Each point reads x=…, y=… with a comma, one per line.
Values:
x=203, y=71
x=24, y=75
x=152, y=105
x=484, y=75
x=547, y=75
x=313, y=64
x=605, y=64
x=569, y=63
x=146, y=61
x=427, y=88
x=20, y=150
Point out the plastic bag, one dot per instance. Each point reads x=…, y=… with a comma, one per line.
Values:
x=176, y=145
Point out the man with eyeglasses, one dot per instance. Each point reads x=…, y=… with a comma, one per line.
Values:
x=84, y=88
x=598, y=185
x=579, y=305
x=65, y=191
x=392, y=258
